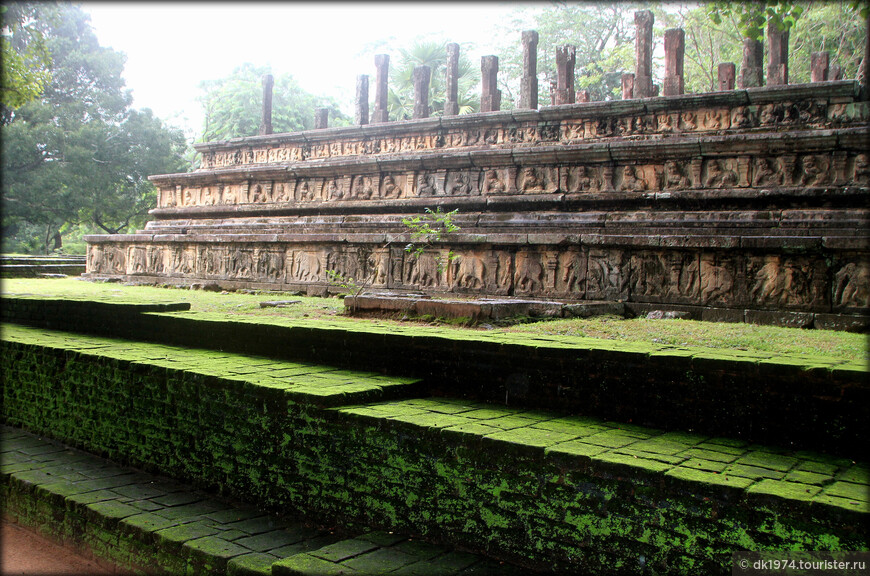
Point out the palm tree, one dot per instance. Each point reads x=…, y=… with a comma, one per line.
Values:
x=432, y=53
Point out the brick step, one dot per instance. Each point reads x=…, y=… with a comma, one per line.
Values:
x=154, y=524
x=753, y=395
x=541, y=489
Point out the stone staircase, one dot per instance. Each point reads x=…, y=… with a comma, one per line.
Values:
x=481, y=487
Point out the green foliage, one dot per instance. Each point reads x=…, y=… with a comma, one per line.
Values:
x=80, y=154
x=26, y=59
x=603, y=34
x=425, y=230
x=233, y=105
x=428, y=229
x=753, y=15
x=432, y=53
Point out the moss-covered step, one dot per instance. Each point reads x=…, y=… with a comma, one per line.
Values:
x=145, y=522
x=580, y=491
x=536, y=488
x=754, y=396
x=299, y=382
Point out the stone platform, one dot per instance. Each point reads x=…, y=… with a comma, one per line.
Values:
x=749, y=204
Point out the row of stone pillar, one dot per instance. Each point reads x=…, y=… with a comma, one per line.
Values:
x=636, y=85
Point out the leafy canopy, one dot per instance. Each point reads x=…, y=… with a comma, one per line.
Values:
x=233, y=105
x=79, y=155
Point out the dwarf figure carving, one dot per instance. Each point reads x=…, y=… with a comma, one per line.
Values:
x=719, y=175
x=493, y=184
x=813, y=172
x=633, y=180
x=675, y=176
x=763, y=173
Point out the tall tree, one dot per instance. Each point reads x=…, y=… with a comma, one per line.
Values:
x=79, y=154
x=26, y=59
x=233, y=105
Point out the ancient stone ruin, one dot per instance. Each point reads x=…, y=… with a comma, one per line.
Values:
x=740, y=204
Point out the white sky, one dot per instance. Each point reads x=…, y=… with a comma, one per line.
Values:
x=172, y=47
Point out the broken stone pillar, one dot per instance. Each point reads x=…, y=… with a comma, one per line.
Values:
x=266, y=119
x=361, y=116
x=643, y=86
x=566, y=57
x=627, y=86
x=835, y=72
x=819, y=62
x=421, y=91
x=752, y=68
x=583, y=96
x=451, y=106
x=675, y=49
x=726, y=75
x=382, y=64
x=777, y=63
x=490, y=98
x=529, y=85
x=321, y=118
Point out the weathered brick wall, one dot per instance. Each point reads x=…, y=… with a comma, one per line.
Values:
x=759, y=398
x=749, y=199
x=396, y=466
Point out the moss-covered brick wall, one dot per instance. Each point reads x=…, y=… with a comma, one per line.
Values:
x=545, y=490
x=808, y=402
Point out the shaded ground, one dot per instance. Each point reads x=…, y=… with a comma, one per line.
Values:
x=683, y=333
x=26, y=552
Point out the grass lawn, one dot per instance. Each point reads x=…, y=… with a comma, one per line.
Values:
x=683, y=333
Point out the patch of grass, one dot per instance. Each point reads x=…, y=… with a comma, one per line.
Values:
x=690, y=333
x=843, y=346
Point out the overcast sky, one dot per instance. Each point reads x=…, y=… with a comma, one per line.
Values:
x=172, y=47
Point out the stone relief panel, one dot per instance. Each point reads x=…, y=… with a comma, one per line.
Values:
x=269, y=264
x=463, y=183
x=537, y=180
x=470, y=271
x=240, y=263
x=570, y=277
x=393, y=186
x=363, y=187
x=608, y=275
x=861, y=170
x=814, y=170
x=213, y=261
x=306, y=265
x=137, y=260
x=579, y=178
x=721, y=173
x=719, y=280
x=676, y=176
x=336, y=189
x=530, y=275
x=665, y=276
x=851, y=284
x=378, y=266
x=426, y=270
x=183, y=260
x=309, y=189
x=283, y=191
x=494, y=181
x=349, y=262
x=429, y=184
x=259, y=192
x=633, y=178
x=157, y=256
x=785, y=282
